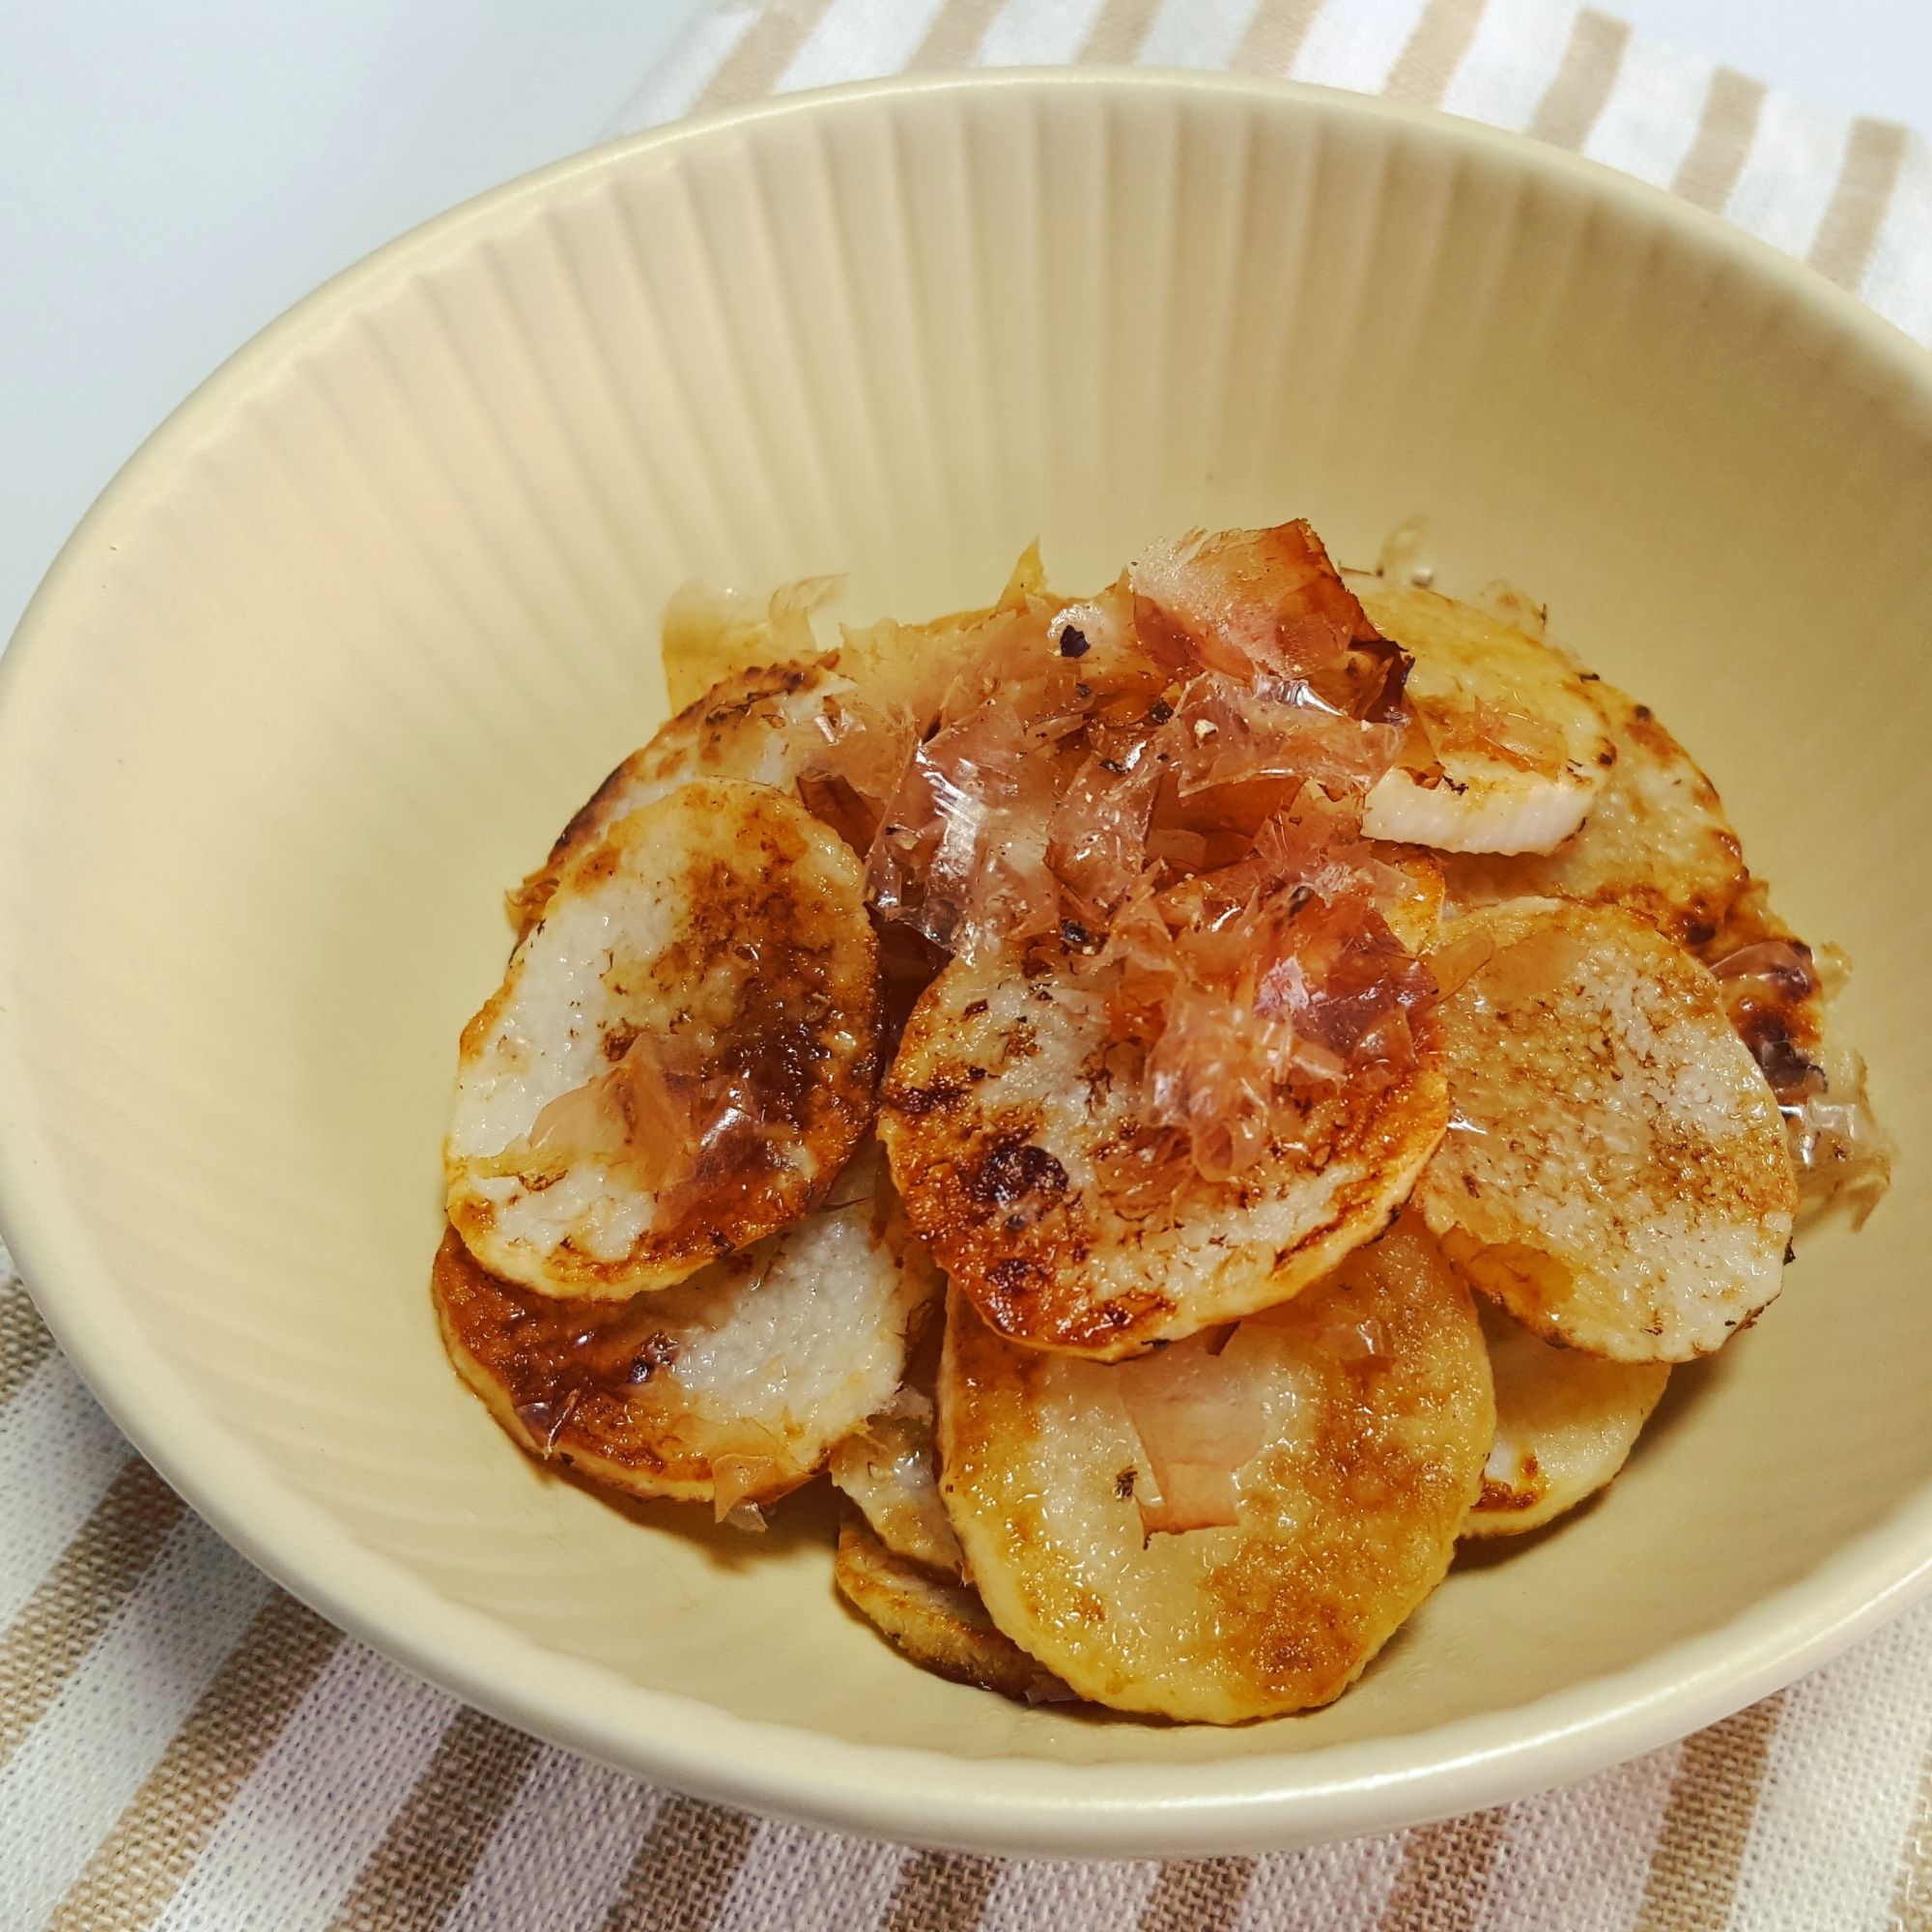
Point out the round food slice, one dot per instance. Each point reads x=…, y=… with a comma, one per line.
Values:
x=1657, y=840
x=729, y=1389
x=682, y=1056
x=1016, y=1121
x=1516, y=752
x=1350, y=1424
x=1615, y=1171
x=1565, y=1423
x=935, y=1620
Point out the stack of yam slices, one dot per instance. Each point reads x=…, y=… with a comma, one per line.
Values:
x=1350, y=1063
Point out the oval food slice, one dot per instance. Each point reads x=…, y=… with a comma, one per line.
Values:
x=681, y=1055
x=1515, y=751
x=1371, y=1414
x=731, y=1389
x=1019, y=1135
x=1615, y=1170
x=935, y=1620
x=1565, y=1423
x=1657, y=840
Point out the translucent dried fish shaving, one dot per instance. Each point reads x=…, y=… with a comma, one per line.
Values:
x=1565, y=1423
x=1615, y=1170
x=1105, y=1155
x=1368, y=1419
x=681, y=1055
x=1506, y=752
x=731, y=1388
x=889, y=1465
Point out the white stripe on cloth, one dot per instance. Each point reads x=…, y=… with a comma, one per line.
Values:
x=90, y=1752
x=1650, y=120
x=1340, y=1887
x=1578, y=1857
x=1516, y=52
x=318, y=1804
x=1788, y=180
x=1838, y=1789
x=810, y=1882
x=671, y=88
x=1196, y=33
x=561, y=1854
x=1032, y=1894
x=59, y=1455
x=1037, y=33
x=1898, y=279
x=1355, y=46
x=858, y=39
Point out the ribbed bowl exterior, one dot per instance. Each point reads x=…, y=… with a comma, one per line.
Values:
x=342, y=647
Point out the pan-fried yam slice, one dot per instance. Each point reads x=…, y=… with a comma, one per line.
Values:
x=1018, y=1137
x=1365, y=1415
x=1565, y=1423
x=731, y=1389
x=761, y=725
x=936, y=1620
x=681, y=1055
x=1657, y=840
x=1615, y=1170
x=1513, y=753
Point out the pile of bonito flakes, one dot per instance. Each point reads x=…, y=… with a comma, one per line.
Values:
x=1188, y=1101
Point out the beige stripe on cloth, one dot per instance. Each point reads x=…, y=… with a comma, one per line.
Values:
x=1725, y=132
x=97, y=1573
x=431, y=1848
x=1912, y=1887
x=1693, y=1868
x=1435, y=50
x=142, y=1861
x=954, y=38
x=1198, y=1895
x=26, y=1341
x=1444, y=1875
x=1566, y=114
x=1274, y=37
x=753, y=65
x=1119, y=28
x=941, y=1892
x=679, y=1878
x=1855, y=212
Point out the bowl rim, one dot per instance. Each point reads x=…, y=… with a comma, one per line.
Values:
x=1000, y=1805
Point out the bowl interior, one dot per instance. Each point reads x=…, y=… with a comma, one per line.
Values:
x=345, y=646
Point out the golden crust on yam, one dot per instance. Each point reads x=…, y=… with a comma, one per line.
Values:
x=746, y=1375
x=935, y=1620
x=1615, y=1171
x=1565, y=1423
x=1009, y=1128
x=682, y=1054
x=1656, y=841
x=1373, y=1392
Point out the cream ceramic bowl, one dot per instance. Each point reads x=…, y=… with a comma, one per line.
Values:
x=342, y=648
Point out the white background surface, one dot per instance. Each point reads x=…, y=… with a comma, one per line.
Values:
x=173, y=174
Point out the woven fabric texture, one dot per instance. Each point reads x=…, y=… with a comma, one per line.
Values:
x=182, y=1745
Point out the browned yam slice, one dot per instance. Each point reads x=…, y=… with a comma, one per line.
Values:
x=1657, y=840
x=1615, y=1171
x=1019, y=1146
x=732, y=1387
x=937, y=1621
x=681, y=1055
x=1374, y=1388
x=1565, y=1423
x=748, y=726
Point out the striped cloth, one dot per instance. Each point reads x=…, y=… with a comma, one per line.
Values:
x=184, y=1746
